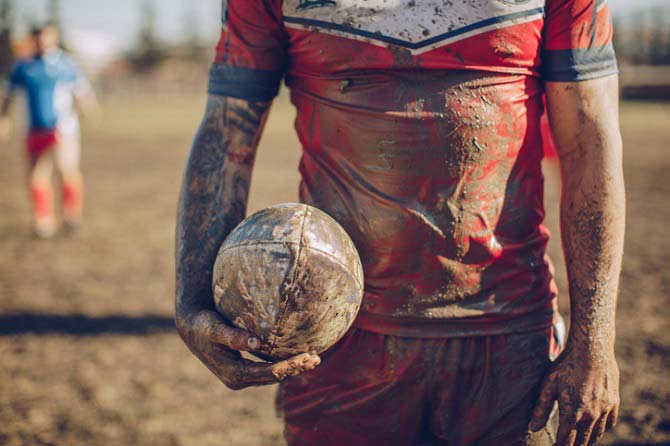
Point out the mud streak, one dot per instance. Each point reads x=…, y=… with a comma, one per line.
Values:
x=291, y=285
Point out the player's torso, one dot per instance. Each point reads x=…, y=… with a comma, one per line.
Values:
x=406, y=86
x=418, y=124
x=48, y=82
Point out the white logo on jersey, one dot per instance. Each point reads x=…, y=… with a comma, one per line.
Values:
x=418, y=25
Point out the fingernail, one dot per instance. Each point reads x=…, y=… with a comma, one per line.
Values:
x=253, y=343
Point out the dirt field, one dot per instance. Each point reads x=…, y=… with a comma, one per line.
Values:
x=88, y=353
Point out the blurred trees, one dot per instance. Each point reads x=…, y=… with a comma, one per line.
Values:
x=6, y=22
x=192, y=39
x=643, y=37
x=659, y=38
x=53, y=12
x=642, y=43
x=149, y=52
x=54, y=18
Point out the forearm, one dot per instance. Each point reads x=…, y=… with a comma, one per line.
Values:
x=584, y=379
x=87, y=103
x=592, y=228
x=85, y=98
x=592, y=207
x=214, y=193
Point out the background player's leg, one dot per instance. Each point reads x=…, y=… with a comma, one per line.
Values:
x=41, y=189
x=67, y=157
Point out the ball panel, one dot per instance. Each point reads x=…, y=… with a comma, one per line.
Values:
x=247, y=285
x=323, y=232
x=321, y=307
x=281, y=223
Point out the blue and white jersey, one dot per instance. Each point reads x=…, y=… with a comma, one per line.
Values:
x=50, y=83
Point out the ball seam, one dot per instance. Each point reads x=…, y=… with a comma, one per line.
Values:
x=320, y=251
x=294, y=279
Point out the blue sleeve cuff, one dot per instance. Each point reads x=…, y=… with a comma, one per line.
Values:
x=578, y=64
x=244, y=83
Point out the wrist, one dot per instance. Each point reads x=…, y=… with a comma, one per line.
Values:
x=589, y=349
x=184, y=310
x=192, y=297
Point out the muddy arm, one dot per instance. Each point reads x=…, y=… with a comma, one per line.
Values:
x=585, y=380
x=585, y=121
x=213, y=201
x=214, y=192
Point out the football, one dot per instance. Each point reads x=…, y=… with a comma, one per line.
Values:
x=290, y=275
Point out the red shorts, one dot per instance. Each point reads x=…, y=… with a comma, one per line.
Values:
x=41, y=141
x=374, y=389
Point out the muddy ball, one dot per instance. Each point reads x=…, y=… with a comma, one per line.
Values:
x=290, y=275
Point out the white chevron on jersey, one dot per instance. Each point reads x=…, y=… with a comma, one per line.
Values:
x=418, y=25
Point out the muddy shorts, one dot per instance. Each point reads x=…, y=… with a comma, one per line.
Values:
x=380, y=390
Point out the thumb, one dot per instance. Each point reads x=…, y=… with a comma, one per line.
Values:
x=211, y=325
x=234, y=338
x=545, y=404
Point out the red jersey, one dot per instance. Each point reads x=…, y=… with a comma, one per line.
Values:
x=420, y=127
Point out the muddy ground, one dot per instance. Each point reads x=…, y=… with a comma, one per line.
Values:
x=88, y=352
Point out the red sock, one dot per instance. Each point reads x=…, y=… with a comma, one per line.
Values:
x=43, y=201
x=72, y=199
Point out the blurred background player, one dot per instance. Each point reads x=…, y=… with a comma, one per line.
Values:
x=53, y=85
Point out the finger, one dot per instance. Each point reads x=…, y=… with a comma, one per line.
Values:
x=295, y=366
x=613, y=418
x=216, y=330
x=247, y=373
x=599, y=429
x=545, y=404
x=584, y=430
x=568, y=438
x=261, y=373
x=234, y=338
x=567, y=427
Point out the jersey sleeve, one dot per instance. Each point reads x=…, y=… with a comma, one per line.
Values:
x=250, y=56
x=577, y=41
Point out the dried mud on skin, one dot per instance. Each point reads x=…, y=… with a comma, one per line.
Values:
x=118, y=374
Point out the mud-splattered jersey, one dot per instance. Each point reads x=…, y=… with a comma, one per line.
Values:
x=419, y=121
